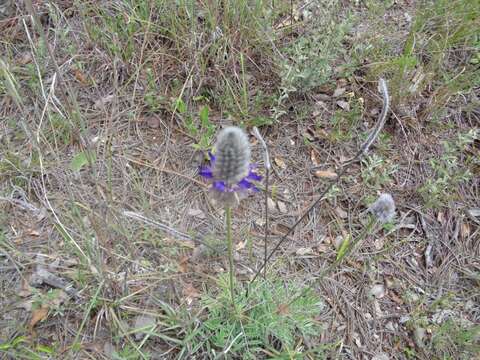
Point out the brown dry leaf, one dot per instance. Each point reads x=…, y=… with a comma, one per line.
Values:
x=282, y=309
x=190, y=292
x=314, y=158
x=280, y=163
x=464, y=230
x=183, y=264
x=395, y=298
x=80, y=76
x=38, y=315
x=326, y=174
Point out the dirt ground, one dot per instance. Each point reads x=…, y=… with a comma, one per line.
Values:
x=103, y=216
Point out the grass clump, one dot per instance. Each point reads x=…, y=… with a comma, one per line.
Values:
x=274, y=321
x=437, y=60
x=311, y=55
x=451, y=170
x=451, y=340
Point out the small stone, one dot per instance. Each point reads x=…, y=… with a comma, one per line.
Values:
x=356, y=339
x=146, y=323
x=418, y=336
x=381, y=356
x=108, y=350
x=282, y=207
x=342, y=214
x=304, y=251
x=378, y=309
x=280, y=163
x=344, y=105
x=260, y=221
x=469, y=305
x=377, y=290
x=196, y=213
x=474, y=212
x=339, y=92
x=389, y=326
x=271, y=205
x=337, y=243
x=153, y=122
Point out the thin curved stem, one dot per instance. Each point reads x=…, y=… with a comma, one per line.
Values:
x=228, y=220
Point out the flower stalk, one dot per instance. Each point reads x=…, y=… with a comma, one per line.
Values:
x=228, y=225
x=232, y=178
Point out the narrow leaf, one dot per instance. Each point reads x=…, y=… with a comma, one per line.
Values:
x=343, y=248
x=204, y=116
x=80, y=160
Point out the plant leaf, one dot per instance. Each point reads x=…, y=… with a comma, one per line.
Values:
x=343, y=248
x=204, y=116
x=180, y=106
x=81, y=159
x=38, y=315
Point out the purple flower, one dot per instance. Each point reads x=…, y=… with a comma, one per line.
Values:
x=244, y=185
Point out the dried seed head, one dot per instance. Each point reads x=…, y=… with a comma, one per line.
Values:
x=383, y=208
x=232, y=156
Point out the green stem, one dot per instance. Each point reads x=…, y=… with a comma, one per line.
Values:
x=366, y=231
x=228, y=218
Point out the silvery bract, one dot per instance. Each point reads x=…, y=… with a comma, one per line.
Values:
x=383, y=208
x=232, y=156
x=230, y=170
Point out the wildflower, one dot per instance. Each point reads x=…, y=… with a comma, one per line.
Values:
x=230, y=170
x=383, y=208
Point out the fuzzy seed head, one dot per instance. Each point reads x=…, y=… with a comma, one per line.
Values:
x=232, y=155
x=383, y=208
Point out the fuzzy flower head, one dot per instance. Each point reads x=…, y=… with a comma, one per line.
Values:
x=230, y=170
x=383, y=208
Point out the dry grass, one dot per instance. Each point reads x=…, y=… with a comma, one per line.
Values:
x=107, y=92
